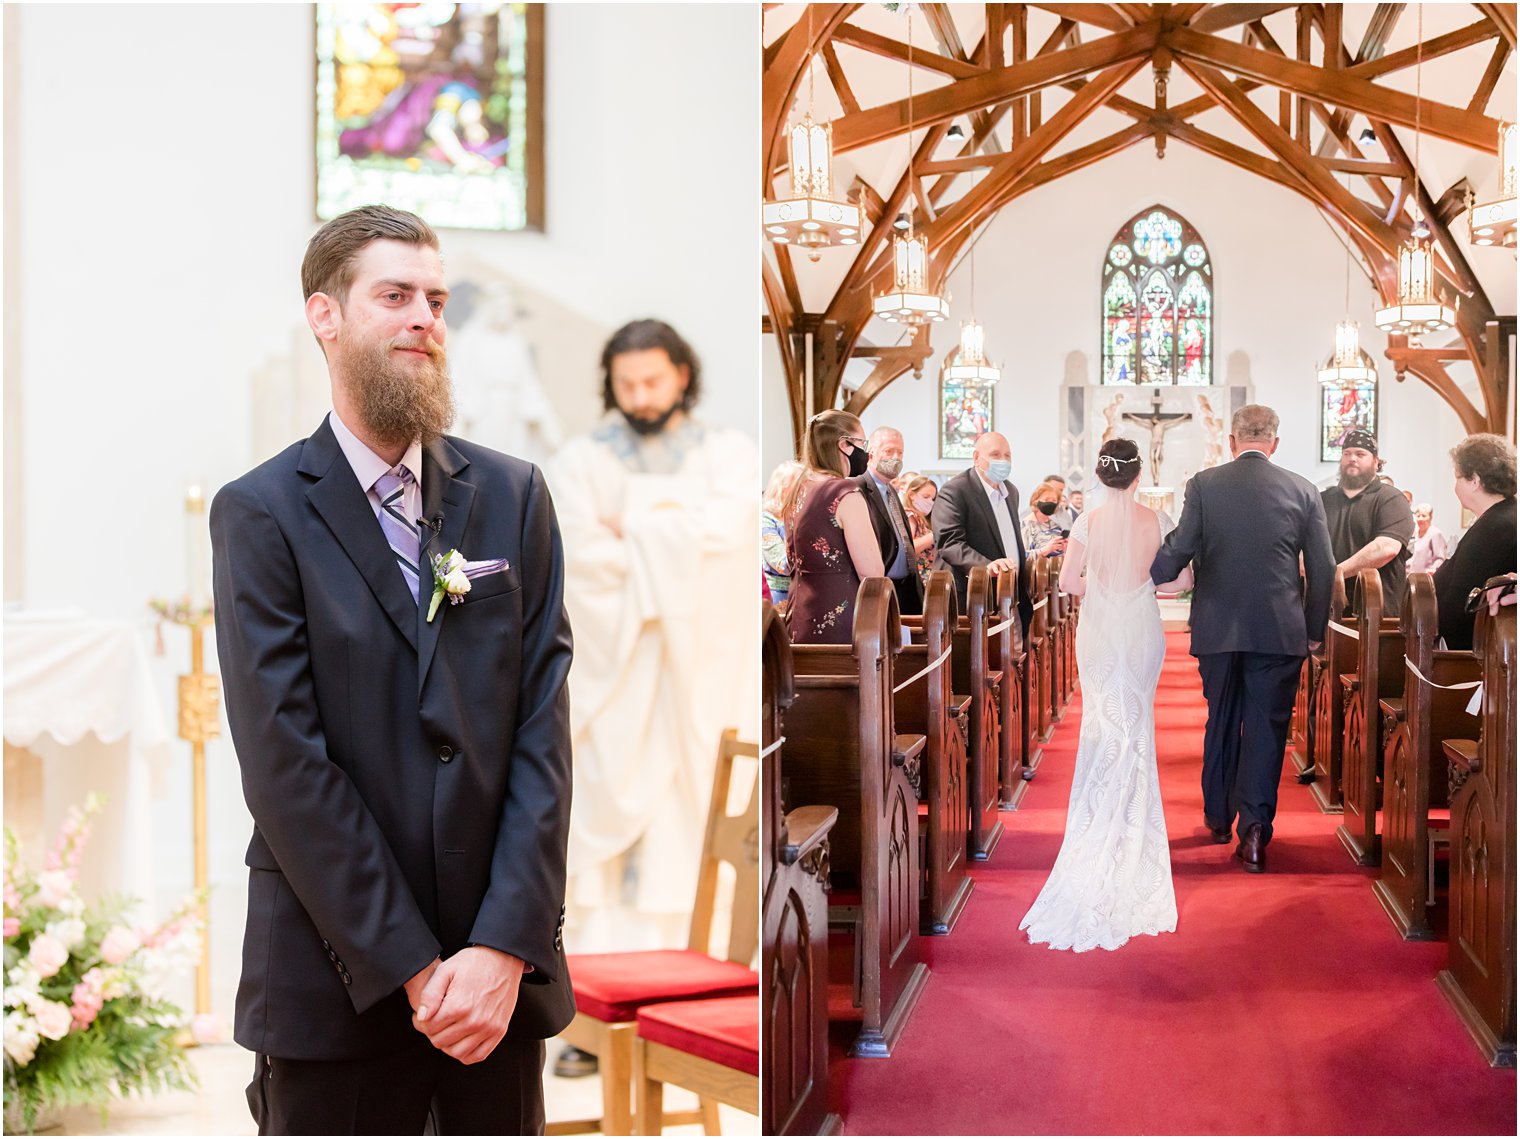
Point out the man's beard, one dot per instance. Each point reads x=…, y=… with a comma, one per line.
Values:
x=651, y=426
x=1357, y=482
x=397, y=402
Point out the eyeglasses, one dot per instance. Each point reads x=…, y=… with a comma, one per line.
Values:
x=857, y=441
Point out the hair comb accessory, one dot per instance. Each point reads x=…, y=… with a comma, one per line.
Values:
x=1111, y=461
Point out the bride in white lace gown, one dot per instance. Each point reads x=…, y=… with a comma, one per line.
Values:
x=1113, y=876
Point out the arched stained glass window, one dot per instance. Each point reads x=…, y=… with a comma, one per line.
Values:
x=1158, y=303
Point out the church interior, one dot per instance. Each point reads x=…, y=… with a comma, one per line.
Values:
x=961, y=216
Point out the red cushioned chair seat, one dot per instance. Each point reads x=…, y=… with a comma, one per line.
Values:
x=613, y=986
x=725, y=1031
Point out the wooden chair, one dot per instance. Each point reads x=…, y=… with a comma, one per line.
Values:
x=711, y=1047
x=794, y=942
x=924, y=705
x=842, y=750
x=610, y=988
x=1377, y=686
x=1479, y=978
x=1414, y=762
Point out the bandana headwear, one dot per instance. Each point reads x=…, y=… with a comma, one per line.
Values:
x=1359, y=438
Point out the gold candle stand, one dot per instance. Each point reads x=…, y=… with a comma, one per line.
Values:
x=199, y=721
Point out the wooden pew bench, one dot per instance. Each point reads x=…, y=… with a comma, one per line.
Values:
x=843, y=751
x=1374, y=698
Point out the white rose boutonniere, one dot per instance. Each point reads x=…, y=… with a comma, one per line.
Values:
x=452, y=576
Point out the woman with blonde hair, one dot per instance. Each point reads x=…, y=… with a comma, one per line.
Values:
x=1043, y=533
x=830, y=541
x=918, y=495
x=774, y=562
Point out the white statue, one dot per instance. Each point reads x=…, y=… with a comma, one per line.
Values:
x=499, y=399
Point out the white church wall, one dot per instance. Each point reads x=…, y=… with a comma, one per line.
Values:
x=159, y=257
x=1280, y=285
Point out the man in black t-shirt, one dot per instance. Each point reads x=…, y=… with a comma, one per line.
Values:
x=1371, y=524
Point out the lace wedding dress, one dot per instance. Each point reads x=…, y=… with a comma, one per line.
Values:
x=1113, y=876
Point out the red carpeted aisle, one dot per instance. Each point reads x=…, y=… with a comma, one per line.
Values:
x=1284, y=1003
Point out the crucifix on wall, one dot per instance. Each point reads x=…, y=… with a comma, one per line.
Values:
x=1158, y=422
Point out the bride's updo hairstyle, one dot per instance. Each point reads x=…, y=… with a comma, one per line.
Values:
x=1118, y=463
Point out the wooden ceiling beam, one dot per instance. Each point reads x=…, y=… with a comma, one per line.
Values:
x=1134, y=13
x=1098, y=15
x=969, y=209
x=781, y=325
x=1437, y=119
x=1491, y=77
x=1363, y=166
x=1237, y=156
x=838, y=80
x=1474, y=33
x=1503, y=16
x=1432, y=371
x=1182, y=13
x=942, y=24
x=888, y=48
x=964, y=95
x=1218, y=17
x=1332, y=194
x=779, y=82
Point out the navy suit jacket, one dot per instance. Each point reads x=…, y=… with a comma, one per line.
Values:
x=1244, y=526
x=409, y=781
x=967, y=533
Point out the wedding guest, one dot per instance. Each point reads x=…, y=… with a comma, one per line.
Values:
x=976, y=520
x=918, y=498
x=883, y=465
x=831, y=543
x=1044, y=536
x=773, y=560
x=1370, y=522
x=1484, y=466
x=1430, y=548
x=1074, y=503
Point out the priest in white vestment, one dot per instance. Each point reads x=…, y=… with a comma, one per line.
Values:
x=660, y=518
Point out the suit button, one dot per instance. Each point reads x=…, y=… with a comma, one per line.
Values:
x=347, y=980
x=332, y=955
x=328, y=945
x=445, y=753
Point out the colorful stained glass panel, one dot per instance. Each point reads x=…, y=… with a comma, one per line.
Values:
x=965, y=413
x=1342, y=410
x=1157, y=303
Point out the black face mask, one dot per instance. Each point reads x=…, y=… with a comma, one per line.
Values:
x=1046, y=508
x=858, y=460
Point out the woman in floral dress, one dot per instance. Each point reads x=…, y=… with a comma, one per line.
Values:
x=829, y=536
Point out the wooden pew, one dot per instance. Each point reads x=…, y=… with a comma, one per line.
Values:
x=924, y=705
x=1301, y=729
x=842, y=751
x=794, y=945
x=1037, y=656
x=1479, y=978
x=1034, y=747
x=1377, y=684
x=1058, y=634
x=1414, y=762
x=1074, y=614
x=1016, y=756
x=976, y=674
x=1341, y=652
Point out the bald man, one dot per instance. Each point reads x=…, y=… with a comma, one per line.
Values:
x=976, y=520
x=884, y=451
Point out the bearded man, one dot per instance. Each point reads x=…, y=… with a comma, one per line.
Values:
x=661, y=516
x=402, y=730
x=1370, y=522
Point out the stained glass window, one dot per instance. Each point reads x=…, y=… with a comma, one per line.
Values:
x=435, y=108
x=966, y=412
x=1343, y=410
x=1158, y=303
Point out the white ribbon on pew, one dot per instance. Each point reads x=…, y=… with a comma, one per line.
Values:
x=998, y=628
x=765, y=751
x=1474, y=706
x=1040, y=603
x=925, y=671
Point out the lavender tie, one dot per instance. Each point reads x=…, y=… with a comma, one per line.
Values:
x=400, y=531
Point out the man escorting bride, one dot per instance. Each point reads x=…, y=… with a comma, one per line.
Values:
x=1243, y=529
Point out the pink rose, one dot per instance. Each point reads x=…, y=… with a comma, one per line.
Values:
x=47, y=956
x=87, y=1004
x=207, y=1028
x=53, y=1019
x=119, y=944
x=12, y=927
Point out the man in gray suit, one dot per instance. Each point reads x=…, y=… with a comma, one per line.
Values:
x=1244, y=527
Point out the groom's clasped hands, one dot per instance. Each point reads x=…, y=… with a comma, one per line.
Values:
x=464, y=1005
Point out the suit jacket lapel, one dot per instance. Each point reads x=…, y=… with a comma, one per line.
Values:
x=346, y=509
x=442, y=494
x=984, y=505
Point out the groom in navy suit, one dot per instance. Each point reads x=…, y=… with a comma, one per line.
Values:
x=408, y=771
x=1244, y=527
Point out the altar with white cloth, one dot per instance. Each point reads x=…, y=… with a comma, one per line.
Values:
x=82, y=714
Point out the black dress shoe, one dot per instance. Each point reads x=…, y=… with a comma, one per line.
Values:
x=572, y=1062
x=1219, y=833
x=1306, y=775
x=1252, y=850
x=1027, y=774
